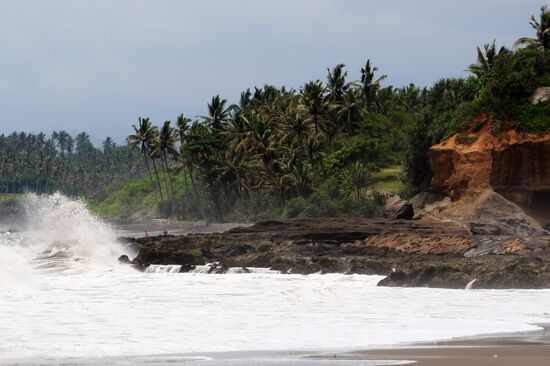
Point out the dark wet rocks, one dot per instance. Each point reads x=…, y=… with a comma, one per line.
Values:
x=492, y=272
x=410, y=252
x=406, y=212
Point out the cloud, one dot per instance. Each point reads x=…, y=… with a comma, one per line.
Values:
x=98, y=65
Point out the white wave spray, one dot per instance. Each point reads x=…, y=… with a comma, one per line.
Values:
x=60, y=234
x=14, y=267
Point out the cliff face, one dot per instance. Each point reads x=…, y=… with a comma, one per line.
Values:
x=513, y=164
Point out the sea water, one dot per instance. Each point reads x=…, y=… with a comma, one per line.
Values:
x=64, y=299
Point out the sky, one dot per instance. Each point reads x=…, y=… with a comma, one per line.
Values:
x=96, y=66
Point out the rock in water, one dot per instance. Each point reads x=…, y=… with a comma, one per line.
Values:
x=406, y=212
x=124, y=259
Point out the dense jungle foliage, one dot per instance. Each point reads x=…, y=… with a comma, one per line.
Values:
x=279, y=152
x=73, y=165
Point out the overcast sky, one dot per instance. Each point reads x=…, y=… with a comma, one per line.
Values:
x=98, y=65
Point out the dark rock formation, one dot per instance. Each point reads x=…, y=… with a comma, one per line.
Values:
x=422, y=252
x=406, y=212
x=494, y=272
x=124, y=259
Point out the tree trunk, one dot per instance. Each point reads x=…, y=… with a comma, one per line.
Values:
x=149, y=171
x=158, y=179
x=193, y=183
x=169, y=177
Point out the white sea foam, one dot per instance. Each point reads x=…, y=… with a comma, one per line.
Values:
x=159, y=268
x=95, y=307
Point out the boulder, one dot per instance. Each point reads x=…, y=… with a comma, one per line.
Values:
x=393, y=205
x=124, y=259
x=541, y=95
x=495, y=215
x=406, y=212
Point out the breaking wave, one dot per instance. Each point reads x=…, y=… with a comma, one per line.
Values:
x=59, y=234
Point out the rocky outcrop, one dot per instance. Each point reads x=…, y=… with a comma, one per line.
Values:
x=413, y=253
x=486, y=272
x=541, y=95
x=494, y=215
x=483, y=159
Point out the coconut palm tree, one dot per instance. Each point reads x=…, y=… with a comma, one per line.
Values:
x=166, y=146
x=370, y=85
x=486, y=59
x=542, y=29
x=350, y=108
x=144, y=136
x=336, y=82
x=312, y=96
x=182, y=124
x=217, y=113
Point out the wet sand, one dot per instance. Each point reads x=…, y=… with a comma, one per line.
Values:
x=529, y=349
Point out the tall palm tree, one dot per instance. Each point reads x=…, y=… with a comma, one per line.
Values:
x=486, y=59
x=143, y=137
x=167, y=147
x=370, y=85
x=312, y=96
x=182, y=124
x=217, y=113
x=542, y=29
x=350, y=108
x=182, y=130
x=336, y=82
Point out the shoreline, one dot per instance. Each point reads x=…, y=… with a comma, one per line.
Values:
x=530, y=348
x=508, y=349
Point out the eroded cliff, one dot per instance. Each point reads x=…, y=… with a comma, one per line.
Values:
x=485, y=161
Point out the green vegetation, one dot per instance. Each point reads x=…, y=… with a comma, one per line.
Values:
x=334, y=147
x=328, y=148
x=388, y=181
x=10, y=205
x=41, y=164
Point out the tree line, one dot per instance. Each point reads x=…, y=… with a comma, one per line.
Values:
x=320, y=143
x=60, y=162
x=290, y=152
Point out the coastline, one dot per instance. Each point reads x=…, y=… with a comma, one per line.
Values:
x=524, y=348
x=530, y=348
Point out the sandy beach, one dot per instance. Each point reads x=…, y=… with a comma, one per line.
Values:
x=527, y=349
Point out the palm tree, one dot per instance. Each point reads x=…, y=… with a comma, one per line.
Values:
x=312, y=96
x=336, y=82
x=294, y=126
x=143, y=137
x=182, y=130
x=486, y=59
x=370, y=85
x=350, y=108
x=217, y=113
x=359, y=176
x=167, y=146
x=542, y=28
x=182, y=124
